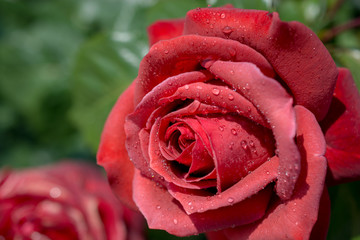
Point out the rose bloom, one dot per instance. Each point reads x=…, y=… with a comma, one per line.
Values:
x=65, y=201
x=231, y=127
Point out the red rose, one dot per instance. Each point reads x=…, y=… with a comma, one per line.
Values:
x=220, y=130
x=64, y=201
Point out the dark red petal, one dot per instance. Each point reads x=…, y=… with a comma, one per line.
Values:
x=185, y=53
x=219, y=235
x=202, y=201
x=276, y=105
x=163, y=212
x=342, y=131
x=112, y=154
x=165, y=29
x=294, y=51
x=295, y=218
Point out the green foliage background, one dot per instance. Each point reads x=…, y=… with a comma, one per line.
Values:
x=63, y=63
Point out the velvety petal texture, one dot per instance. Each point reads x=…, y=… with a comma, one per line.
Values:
x=112, y=154
x=219, y=132
x=342, y=131
x=64, y=201
x=291, y=48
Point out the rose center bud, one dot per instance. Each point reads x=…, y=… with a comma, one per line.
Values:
x=218, y=147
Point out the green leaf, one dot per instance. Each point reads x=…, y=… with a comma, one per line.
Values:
x=104, y=68
x=345, y=211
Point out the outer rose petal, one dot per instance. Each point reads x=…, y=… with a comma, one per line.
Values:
x=295, y=218
x=291, y=48
x=342, y=131
x=112, y=154
x=165, y=29
x=163, y=212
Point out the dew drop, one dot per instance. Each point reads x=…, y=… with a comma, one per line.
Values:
x=175, y=221
x=244, y=144
x=216, y=91
x=186, y=87
x=231, y=97
x=251, y=143
x=158, y=207
x=166, y=51
x=222, y=15
x=221, y=128
x=267, y=172
x=189, y=203
x=199, y=87
x=227, y=30
x=232, y=72
x=230, y=200
x=233, y=131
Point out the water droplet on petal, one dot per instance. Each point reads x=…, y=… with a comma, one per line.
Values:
x=158, y=207
x=222, y=15
x=216, y=91
x=251, y=143
x=244, y=144
x=186, y=87
x=166, y=51
x=175, y=221
x=221, y=128
x=230, y=200
x=227, y=30
x=231, y=97
x=233, y=131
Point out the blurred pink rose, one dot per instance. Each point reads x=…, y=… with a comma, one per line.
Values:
x=63, y=201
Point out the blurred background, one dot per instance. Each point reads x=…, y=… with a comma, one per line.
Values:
x=63, y=64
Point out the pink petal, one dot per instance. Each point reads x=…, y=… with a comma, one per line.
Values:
x=165, y=29
x=294, y=51
x=112, y=154
x=342, y=131
x=295, y=218
x=276, y=105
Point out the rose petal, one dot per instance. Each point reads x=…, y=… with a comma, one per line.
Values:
x=222, y=97
x=135, y=123
x=276, y=105
x=295, y=52
x=185, y=53
x=342, y=131
x=202, y=201
x=295, y=218
x=321, y=226
x=165, y=29
x=235, y=157
x=112, y=154
x=163, y=212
